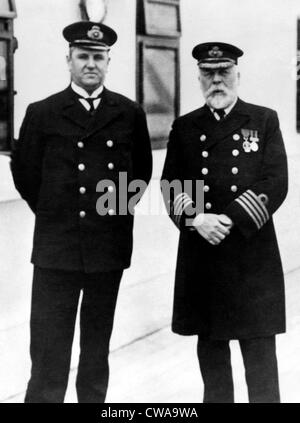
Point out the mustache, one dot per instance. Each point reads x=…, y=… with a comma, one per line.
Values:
x=216, y=90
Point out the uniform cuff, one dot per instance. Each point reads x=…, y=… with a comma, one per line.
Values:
x=183, y=210
x=248, y=212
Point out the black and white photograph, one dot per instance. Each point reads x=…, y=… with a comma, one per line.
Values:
x=149, y=204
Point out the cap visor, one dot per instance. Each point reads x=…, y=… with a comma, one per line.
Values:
x=88, y=45
x=219, y=65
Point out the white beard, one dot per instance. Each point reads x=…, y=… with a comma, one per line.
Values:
x=220, y=101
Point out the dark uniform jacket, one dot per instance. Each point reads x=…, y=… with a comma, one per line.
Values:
x=62, y=154
x=234, y=290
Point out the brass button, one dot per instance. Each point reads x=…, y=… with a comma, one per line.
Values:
x=81, y=167
x=204, y=171
x=109, y=143
x=82, y=214
x=234, y=188
x=264, y=198
x=208, y=206
x=203, y=138
x=206, y=188
x=236, y=137
x=111, y=212
x=235, y=153
x=80, y=144
x=111, y=188
x=82, y=190
x=205, y=154
x=235, y=170
x=111, y=166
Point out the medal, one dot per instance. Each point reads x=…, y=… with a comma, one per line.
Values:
x=253, y=136
x=254, y=140
x=254, y=146
x=247, y=146
x=251, y=140
x=246, y=134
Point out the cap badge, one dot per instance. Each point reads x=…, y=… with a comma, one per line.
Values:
x=95, y=33
x=215, y=52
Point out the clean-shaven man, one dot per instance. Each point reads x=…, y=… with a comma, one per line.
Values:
x=69, y=143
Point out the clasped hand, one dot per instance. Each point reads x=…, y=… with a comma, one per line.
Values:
x=213, y=227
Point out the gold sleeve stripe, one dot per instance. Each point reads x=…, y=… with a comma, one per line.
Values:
x=181, y=202
x=181, y=207
x=255, y=206
x=249, y=211
x=259, y=203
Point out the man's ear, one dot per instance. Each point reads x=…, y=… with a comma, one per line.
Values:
x=68, y=60
x=239, y=77
x=199, y=74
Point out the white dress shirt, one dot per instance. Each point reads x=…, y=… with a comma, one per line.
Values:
x=80, y=91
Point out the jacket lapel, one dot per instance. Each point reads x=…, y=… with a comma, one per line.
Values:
x=217, y=131
x=204, y=119
x=73, y=110
x=105, y=113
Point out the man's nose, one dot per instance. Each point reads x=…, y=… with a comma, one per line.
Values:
x=91, y=62
x=217, y=78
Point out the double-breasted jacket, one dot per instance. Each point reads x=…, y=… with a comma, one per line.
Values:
x=62, y=154
x=234, y=290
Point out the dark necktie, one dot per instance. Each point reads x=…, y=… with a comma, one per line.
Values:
x=91, y=100
x=91, y=103
x=220, y=113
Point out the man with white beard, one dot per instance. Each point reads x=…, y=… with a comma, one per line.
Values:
x=229, y=280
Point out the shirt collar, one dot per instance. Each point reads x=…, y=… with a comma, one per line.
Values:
x=227, y=110
x=82, y=93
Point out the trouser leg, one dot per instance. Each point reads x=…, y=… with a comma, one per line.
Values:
x=215, y=366
x=261, y=370
x=55, y=297
x=96, y=322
